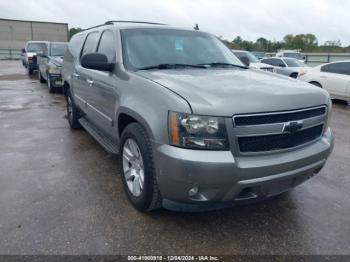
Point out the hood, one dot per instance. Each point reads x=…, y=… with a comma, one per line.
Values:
x=56, y=60
x=225, y=92
x=260, y=65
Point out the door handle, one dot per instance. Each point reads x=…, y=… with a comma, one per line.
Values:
x=76, y=75
x=90, y=82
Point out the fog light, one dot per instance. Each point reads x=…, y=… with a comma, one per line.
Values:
x=193, y=191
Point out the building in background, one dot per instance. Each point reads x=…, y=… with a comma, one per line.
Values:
x=15, y=33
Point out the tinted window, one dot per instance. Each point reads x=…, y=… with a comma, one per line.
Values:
x=75, y=44
x=90, y=43
x=337, y=68
x=273, y=62
x=107, y=45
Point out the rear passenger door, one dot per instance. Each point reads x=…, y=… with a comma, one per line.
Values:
x=105, y=94
x=82, y=77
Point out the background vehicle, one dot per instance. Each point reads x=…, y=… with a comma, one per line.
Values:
x=334, y=77
x=50, y=65
x=191, y=124
x=286, y=66
x=252, y=61
x=292, y=54
x=30, y=54
x=260, y=55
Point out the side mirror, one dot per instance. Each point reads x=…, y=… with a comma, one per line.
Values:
x=282, y=65
x=245, y=60
x=96, y=61
x=23, y=50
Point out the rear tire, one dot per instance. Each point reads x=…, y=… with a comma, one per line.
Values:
x=49, y=84
x=147, y=197
x=73, y=113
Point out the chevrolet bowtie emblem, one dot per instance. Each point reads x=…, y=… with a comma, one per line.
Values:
x=292, y=126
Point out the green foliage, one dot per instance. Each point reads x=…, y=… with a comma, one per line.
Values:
x=304, y=42
x=73, y=31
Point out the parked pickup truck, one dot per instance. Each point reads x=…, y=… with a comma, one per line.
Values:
x=50, y=65
x=29, y=54
x=193, y=127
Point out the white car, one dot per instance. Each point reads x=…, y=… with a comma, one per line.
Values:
x=333, y=77
x=252, y=61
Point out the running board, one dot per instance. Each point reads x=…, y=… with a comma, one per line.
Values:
x=107, y=143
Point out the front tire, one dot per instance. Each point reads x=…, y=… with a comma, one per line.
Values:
x=316, y=84
x=49, y=84
x=137, y=168
x=42, y=80
x=72, y=111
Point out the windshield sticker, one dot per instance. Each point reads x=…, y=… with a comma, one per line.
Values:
x=179, y=44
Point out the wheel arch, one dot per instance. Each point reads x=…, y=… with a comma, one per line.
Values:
x=126, y=116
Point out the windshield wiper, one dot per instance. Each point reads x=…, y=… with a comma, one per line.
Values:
x=220, y=64
x=170, y=66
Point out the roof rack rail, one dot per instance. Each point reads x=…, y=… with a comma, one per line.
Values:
x=135, y=22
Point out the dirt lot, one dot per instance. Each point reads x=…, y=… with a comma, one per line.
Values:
x=60, y=193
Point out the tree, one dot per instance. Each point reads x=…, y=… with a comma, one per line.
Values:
x=73, y=31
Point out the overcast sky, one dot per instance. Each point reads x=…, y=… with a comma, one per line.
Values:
x=272, y=19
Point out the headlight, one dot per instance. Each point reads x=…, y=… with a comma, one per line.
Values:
x=329, y=113
x=197, y=132
x=54, y=70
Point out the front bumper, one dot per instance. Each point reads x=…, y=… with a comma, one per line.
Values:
x=221, y=177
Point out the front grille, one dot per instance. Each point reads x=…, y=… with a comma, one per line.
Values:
x=281, y=117
x=279, y=141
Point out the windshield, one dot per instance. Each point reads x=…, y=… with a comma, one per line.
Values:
x=294, y=55
x=58, y=49
x=252, y=58
x=293, y=62
x=150, y=47
x=35, y=47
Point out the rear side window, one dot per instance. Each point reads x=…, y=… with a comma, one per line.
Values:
x=90, y=43
x=337, y=68
x=107, y=45
x=75, y=44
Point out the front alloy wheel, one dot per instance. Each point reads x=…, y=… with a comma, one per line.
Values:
x=133, y=167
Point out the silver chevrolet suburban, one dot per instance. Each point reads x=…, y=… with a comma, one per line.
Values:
x=193, y=127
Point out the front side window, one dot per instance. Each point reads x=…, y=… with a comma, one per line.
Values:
x=107, y=45
x=337, y=68
x=251, y=58
x=58, y=49
x=90, y=43
x=274, y=62
x=150, y=47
